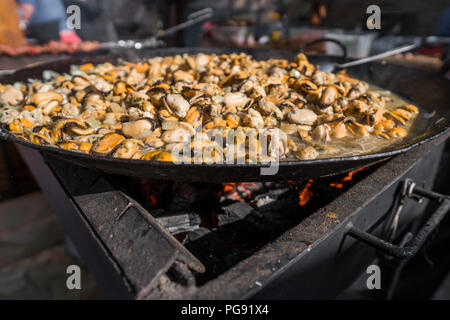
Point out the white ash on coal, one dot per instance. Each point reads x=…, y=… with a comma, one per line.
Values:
x=234, y=212
x=178, y=222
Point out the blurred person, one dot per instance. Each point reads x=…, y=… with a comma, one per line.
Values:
x=444, y=24
x=46, y=20
x=96, y=22
x=10, y=32
x=109, y=20
x=318, y=12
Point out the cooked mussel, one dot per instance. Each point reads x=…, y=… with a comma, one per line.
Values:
x=108, y=143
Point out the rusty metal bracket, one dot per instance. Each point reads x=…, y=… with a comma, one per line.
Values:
x=410, y=248
x=136, y=241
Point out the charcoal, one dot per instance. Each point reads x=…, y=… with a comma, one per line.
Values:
x=271, y=196
x=242, y=191
x=277, y=193
x=179, y=203
x=179, y=222
x=247, y=189
x=234, y=212
x=263, y=200
x=196, y=234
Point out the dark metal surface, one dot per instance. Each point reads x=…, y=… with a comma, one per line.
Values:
x=427, y=90
x=141, y=246
x=124, y=247
x=77, y=226
x=317, y=259
x=412, y=246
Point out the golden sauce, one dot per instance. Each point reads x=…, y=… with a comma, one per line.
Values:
x=353, y=145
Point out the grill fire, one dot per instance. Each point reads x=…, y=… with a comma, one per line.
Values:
x=222, y=224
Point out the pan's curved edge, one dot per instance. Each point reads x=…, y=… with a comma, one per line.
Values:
x=54, y=150
x=436, y=130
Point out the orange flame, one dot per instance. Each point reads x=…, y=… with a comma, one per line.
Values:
x=306, y=194
x=153, y=200
x=240, y=191
x=229, y=189
x=348, y=177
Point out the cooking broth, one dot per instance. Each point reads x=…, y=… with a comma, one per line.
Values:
x=352, y=145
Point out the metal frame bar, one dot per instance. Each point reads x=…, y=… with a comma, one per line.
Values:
x=412, y=247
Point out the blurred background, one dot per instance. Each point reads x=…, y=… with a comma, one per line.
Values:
x=33, y=251
x=38, y=27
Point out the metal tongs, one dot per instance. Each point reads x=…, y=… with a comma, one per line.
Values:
x=331, y=67
x=379, y=56
x=193, y=18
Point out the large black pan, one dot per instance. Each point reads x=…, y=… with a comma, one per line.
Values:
x=427, y=90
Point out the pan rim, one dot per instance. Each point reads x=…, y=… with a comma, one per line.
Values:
x=387, y=153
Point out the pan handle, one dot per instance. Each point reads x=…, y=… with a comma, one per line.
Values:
x=412, y=247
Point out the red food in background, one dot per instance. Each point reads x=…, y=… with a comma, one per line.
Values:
x=53, y=47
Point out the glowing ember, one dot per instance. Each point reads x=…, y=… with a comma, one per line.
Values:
x=306, y=194
x=348, y=177
x=239, y=191
x=229, y=190
x=256, y=194
x=153, y=201
x=337, y=185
